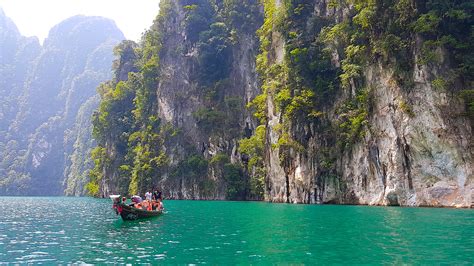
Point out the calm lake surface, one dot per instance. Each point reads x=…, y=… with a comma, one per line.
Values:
x=76, y=230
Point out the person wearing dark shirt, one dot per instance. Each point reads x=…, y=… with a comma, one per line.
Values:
x=157, y=195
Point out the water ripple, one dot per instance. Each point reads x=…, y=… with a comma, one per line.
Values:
x=86, y=231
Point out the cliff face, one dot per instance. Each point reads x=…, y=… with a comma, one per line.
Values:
x=17, y=51
x=409, y=140
x=354, y=103
x=183, y=106
x=420, y=158
x=209, y=111
x=42, y=94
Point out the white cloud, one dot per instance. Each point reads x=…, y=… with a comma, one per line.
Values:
x=37, y=17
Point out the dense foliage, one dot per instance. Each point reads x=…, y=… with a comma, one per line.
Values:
x=129, y=137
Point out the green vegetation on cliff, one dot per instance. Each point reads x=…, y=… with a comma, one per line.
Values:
x=129, y=137
x=177, y=112
x=308, y=63
x=137, y=149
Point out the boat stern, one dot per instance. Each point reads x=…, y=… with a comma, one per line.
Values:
x=116, y=203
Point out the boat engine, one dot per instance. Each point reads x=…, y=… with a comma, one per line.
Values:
x=116, y=200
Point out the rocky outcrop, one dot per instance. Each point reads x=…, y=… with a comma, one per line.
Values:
x=423, y=158
x=180, y=97
x=416, y=150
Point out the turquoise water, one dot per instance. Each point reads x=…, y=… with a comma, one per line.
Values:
x=75, y=230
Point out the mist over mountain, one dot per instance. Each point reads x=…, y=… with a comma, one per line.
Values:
x=48, y=93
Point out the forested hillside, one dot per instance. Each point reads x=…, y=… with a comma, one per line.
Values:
x=47, y=95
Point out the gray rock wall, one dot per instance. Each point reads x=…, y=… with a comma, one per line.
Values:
x=179, y=97
x=421, y=157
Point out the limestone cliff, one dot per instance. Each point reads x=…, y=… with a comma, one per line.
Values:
x=190, y=94
x=409, y=140
x=355, y=102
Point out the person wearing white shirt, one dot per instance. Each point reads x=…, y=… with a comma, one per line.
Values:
x=148, y=196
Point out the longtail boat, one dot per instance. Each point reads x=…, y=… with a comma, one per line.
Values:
x=130, y=213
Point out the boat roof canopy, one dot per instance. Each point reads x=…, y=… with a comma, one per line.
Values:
x=112, y=197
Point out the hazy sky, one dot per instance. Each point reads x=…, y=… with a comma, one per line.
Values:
x=37, y=17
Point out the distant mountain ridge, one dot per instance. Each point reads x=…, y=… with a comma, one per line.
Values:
x=46, y=93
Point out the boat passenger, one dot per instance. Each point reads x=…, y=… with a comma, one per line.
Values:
x=148, y=195
x=157, y=195
x=137, y=202
x=154, y=205
x=137, y=199
x=160, y=206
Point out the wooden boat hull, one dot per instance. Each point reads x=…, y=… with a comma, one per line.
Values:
x=129, y=213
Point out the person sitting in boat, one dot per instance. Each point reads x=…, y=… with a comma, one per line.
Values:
x=137, y=201
x=160, y=206
x=155, y=205
x=145, y=205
